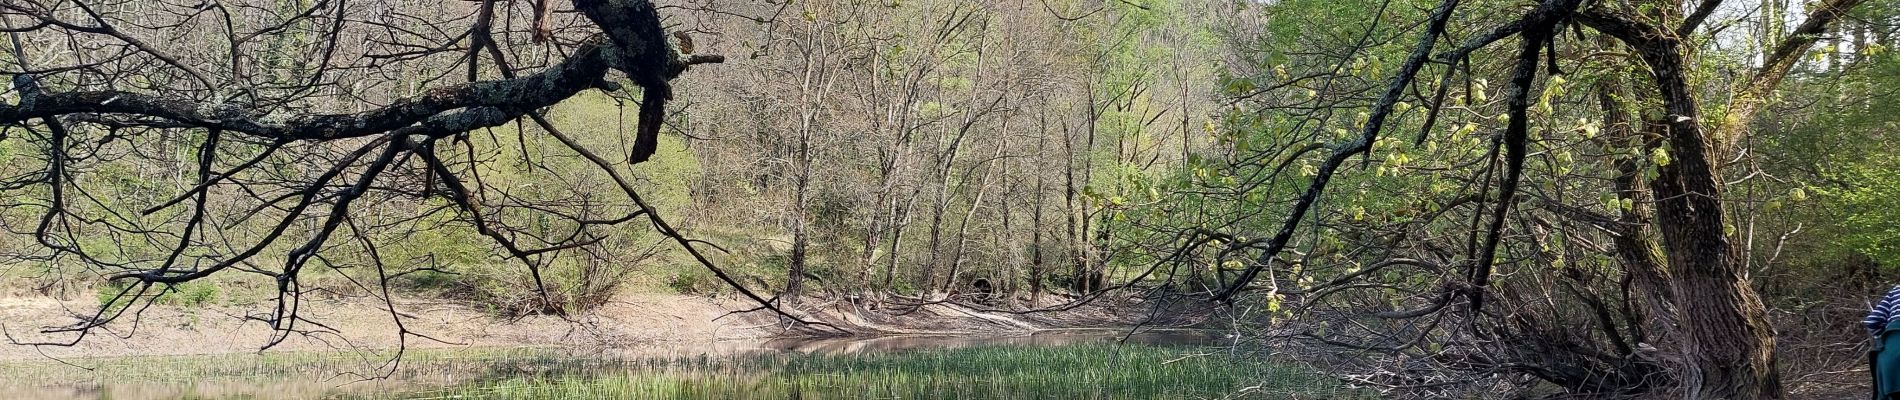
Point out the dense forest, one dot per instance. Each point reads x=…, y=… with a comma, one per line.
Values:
x=1428, y=198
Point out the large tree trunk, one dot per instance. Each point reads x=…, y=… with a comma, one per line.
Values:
x=1727, y=338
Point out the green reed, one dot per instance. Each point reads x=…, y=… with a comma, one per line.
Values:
x=1080, y=371
x=1094, y=371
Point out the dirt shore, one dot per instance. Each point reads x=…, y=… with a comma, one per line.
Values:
x=635, y=320
x=641, y=322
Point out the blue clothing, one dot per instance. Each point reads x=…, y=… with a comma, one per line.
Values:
x=1884, y=361
x=1883, y=311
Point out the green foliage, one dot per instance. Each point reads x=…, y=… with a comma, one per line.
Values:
x=694, y=282
x=1843, y=184
x=1865, y=209
x=528, y=168
x=568, y=286
x=188, y=294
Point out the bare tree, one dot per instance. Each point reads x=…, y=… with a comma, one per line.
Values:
x=302, y=118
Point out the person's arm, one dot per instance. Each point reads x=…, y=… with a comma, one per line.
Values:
x=1882, y=311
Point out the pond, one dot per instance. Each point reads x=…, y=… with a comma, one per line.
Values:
x=1053, y=365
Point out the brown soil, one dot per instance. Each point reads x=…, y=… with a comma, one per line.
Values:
x=640, y=320
x=633, y=322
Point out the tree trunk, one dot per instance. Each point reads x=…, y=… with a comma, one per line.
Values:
x=1729, y=342
x=1007, y=241
x=1077, y=177
x=1634, y=243
x=1035, y=226
x=801, y=240
x=867, y=256
x=1078, y=242
x=900, y=218
x=963, y=227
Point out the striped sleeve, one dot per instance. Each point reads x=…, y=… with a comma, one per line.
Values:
x=1882, y=312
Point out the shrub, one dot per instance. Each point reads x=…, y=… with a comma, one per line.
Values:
x=188, y=294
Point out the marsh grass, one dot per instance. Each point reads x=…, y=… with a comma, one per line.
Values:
x=1079, y=371
x=276, y=375
x=1088, y=371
